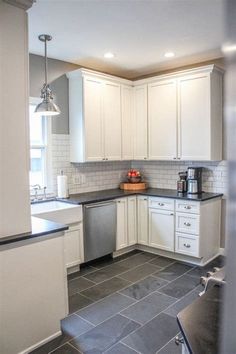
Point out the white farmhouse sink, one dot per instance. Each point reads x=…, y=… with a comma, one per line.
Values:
x=60, y=212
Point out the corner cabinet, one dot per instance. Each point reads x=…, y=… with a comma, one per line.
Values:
x=95, y=116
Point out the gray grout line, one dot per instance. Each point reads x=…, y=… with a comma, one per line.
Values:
x=126, y=345
x=84, y=319
x=130, y=319
x=75, y=348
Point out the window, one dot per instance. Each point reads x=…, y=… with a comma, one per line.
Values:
x=39, y=147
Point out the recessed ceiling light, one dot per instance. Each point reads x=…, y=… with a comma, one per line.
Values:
x=169, y=54
x=109, y=55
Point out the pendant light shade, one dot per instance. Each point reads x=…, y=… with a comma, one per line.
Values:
x=47, y=107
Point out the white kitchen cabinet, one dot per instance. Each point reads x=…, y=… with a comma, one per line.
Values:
x=127, y=115
x=161, y=229
x=95, y=116
x=142, y=214
x=132, y=220
x=141, y=124
x=200, y=116
x=112, y=120
x=122, y=223
x=126, y=222
x=162, y=120
x=73, y=245
x=93, y=122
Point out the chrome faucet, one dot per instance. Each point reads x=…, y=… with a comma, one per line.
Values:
x=36, y=188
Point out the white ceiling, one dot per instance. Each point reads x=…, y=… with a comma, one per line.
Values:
x=139, y=32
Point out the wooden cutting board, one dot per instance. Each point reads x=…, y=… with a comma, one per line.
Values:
x=133, y=186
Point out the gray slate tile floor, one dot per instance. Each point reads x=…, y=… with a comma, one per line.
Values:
x=127, y=305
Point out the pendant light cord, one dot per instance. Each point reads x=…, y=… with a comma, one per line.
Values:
x=46, y=62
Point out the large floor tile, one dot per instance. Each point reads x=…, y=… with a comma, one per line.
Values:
x=120, y=348
x=106, y=288
x=105, y=308
x=138, y=273
x=153, y=335
x=173, y=271
x=77, y=302
x=143, y=287
x=147, y=308
x=79, y=284
x=73, y=326
x=171, y=348
x=84, y=269
x=137, y=260
x=105, y=335
x=182, y=303
x=162, y=261
x=50, y=346
x=66, y=349
x=106, y=273
x=180, y=286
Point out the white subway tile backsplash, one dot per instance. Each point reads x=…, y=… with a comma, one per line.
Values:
x=108, y=175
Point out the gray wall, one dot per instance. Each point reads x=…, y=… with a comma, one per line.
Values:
x=59, y=85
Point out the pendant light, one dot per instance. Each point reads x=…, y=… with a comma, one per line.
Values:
x=47, y=107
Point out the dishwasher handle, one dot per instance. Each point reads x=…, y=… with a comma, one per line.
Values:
x=97, y=205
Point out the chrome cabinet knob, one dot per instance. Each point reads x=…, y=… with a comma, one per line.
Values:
x=187, y=224
x=187, y=207
x=161, y=204
x=179, y=340
x=187, y=245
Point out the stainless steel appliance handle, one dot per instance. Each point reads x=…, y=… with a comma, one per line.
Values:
x=88, y=206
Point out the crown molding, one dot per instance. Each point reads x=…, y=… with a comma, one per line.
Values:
x=22, y=4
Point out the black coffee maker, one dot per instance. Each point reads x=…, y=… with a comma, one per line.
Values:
x=194, y=180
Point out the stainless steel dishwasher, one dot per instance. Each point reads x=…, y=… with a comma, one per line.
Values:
x=99, y=229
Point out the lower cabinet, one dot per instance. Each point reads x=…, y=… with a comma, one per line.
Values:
x=73, y=245
x=142, y=213
x=126, y=234
x=161, y=229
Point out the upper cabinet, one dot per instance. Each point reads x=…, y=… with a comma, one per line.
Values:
x=185, y=116
x=169, y=117
x=140, y=123
x=162, y=120
x=95, y=116
x=127, y=116
x=200, y=116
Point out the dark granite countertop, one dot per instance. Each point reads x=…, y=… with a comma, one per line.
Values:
x=40, y=227
x=200, y=322
x=97, y=196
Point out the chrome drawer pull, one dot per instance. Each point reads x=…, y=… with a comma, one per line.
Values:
x=161, y=204
x=179, y=340
x=187, y=245
x=187, y=207
x=187, y=224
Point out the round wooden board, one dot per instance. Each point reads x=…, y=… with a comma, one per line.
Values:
x=133, y=186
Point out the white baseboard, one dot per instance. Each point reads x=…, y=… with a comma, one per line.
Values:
x=39, y=344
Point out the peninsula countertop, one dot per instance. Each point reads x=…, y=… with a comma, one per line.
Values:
x=40, y=227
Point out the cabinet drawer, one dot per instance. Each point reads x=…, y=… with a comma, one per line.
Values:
x=186, y=244
x=185, y=206
x=187, y=223
x=162, y=203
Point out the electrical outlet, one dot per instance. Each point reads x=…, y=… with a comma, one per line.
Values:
x=77, y=179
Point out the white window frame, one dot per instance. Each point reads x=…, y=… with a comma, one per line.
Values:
x=47, y=147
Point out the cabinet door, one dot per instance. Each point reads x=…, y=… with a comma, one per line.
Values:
x=122, y=230
x=112, y=120
x=132, y=221
x=194, y=117
x=142, y=220
x=93, y=123
x=73, y=246
x=127, y=113
x=140, y=118
x=161, y=229
x=162, y=120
